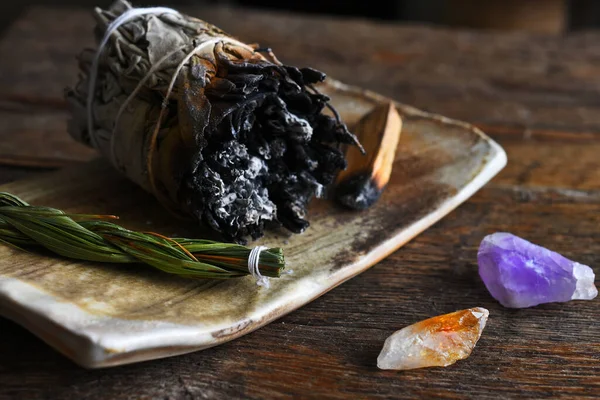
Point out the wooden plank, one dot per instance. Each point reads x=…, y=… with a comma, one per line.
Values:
x=572, y=165
x=12, y=173
x=548, y=16
x=38, y=138
x=499, y=79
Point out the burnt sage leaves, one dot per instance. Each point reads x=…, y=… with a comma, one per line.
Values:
x=217, y=130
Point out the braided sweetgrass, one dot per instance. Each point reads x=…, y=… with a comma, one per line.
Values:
x=95, y=238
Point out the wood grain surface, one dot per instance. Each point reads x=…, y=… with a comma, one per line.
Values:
x=537, y=95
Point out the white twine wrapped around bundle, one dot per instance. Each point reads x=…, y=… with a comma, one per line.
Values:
x=216, y=131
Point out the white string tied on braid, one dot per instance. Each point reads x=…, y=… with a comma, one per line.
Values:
x=128, y=15
x=253, y=259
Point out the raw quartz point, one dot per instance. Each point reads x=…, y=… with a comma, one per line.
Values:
x=521, y=274
x=435, y=342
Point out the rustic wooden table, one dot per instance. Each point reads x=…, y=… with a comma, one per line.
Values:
x=538, y=96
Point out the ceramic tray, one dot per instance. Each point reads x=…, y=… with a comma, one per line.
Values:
x=107, y=315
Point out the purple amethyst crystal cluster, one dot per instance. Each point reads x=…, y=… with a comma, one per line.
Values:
x=521, y=274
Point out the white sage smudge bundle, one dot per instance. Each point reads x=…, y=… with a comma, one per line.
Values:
x=217, y=130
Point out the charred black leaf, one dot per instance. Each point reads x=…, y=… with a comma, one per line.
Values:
x=270, y=151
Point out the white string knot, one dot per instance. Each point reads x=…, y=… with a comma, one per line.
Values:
x=253, y=259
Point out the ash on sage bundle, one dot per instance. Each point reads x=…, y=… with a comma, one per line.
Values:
x=215, y=129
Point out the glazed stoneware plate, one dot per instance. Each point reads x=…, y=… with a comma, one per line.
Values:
x=107, y=315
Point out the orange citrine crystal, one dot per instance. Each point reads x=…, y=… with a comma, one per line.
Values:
x=434, y=342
